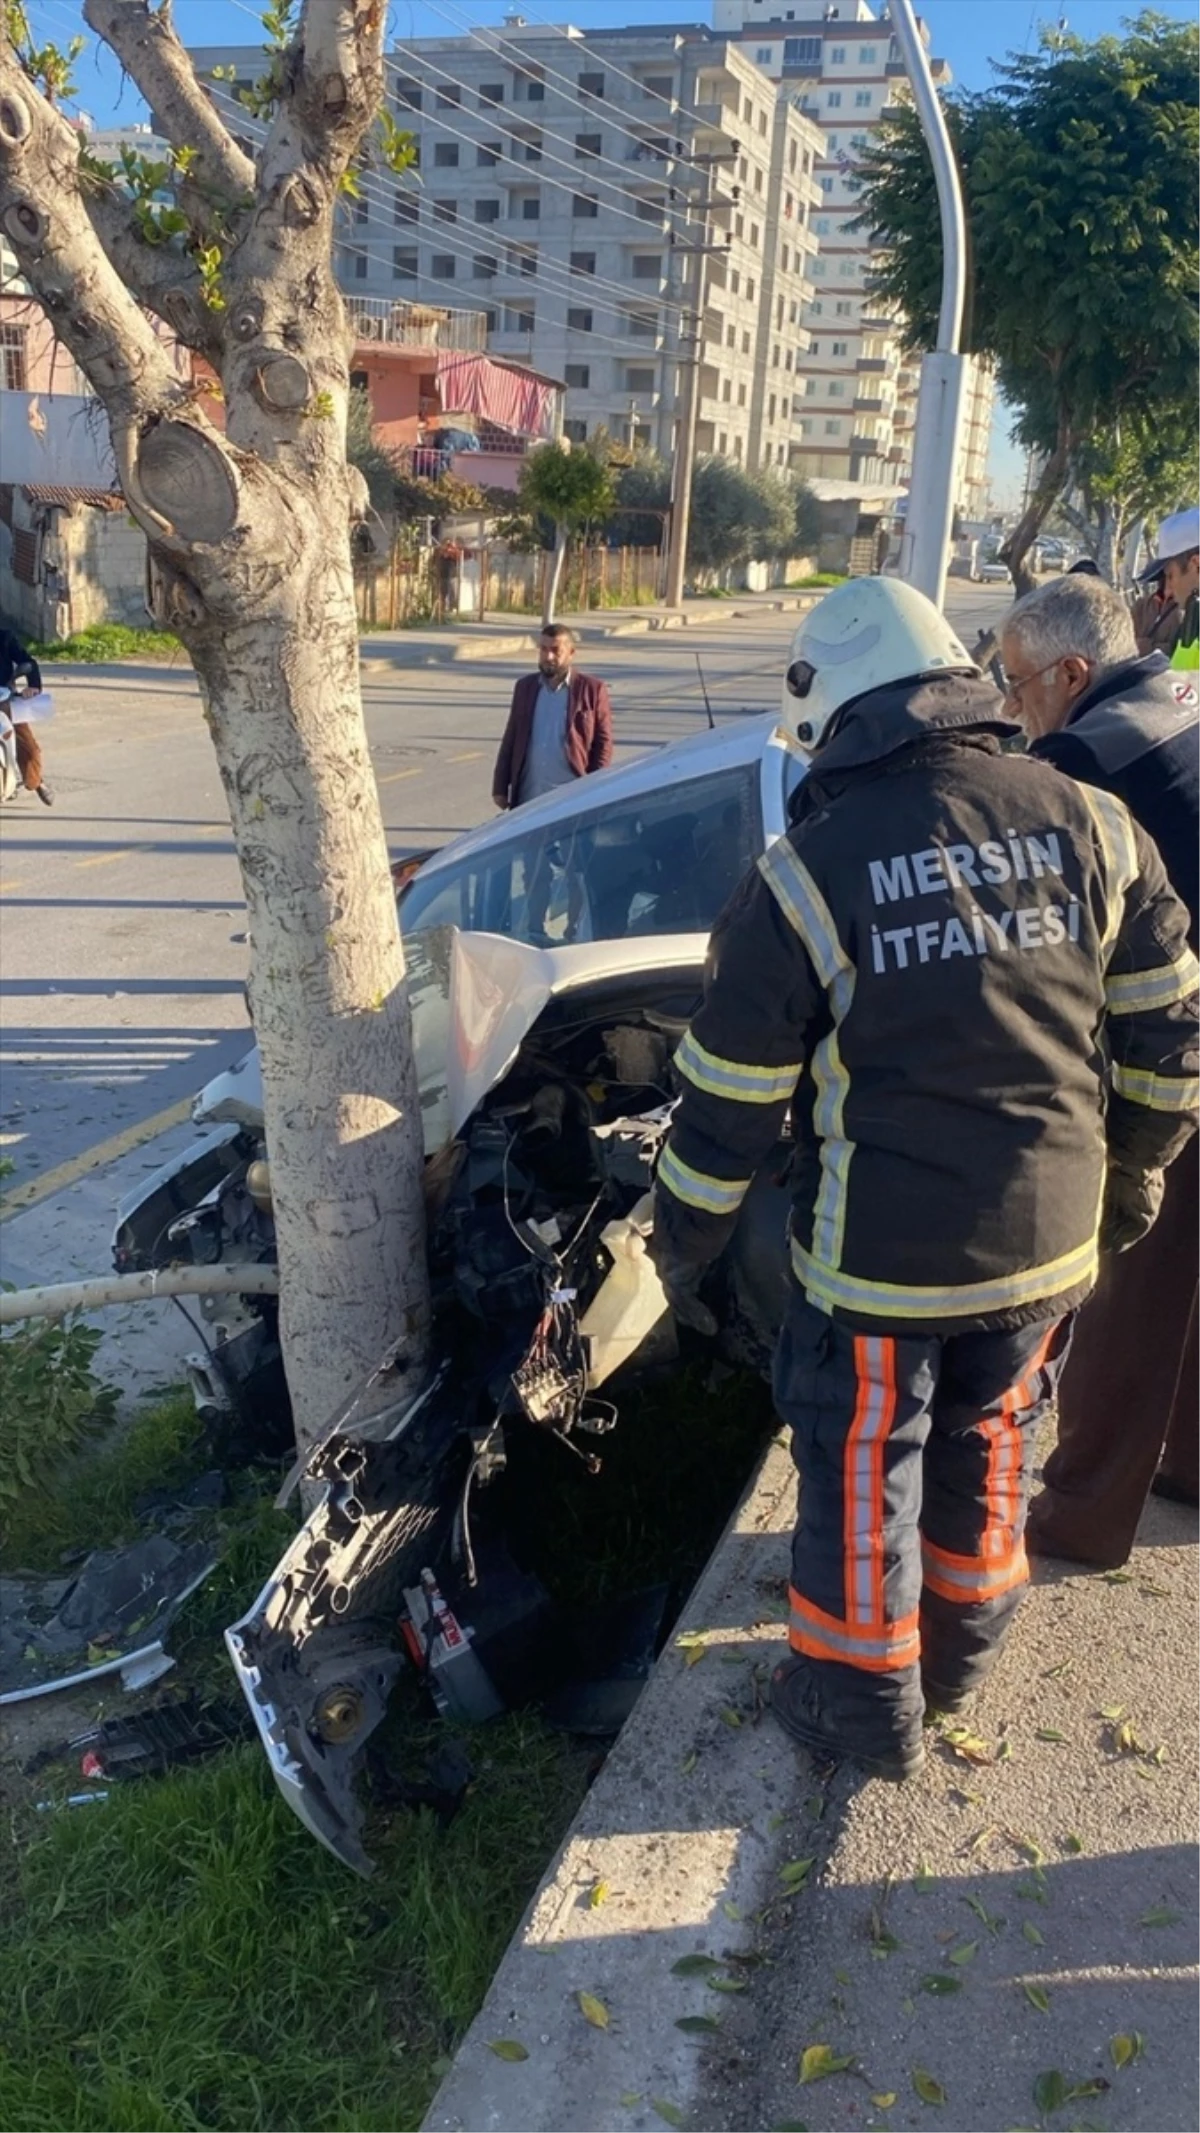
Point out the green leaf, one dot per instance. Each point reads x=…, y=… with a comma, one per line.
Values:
x=508, y=2048
x=818, y=2061
x=939, y=1985
x=1160, y=1914
x=964, y=1954
x=688, y=1764
x=597, y=1894
x=1118, y=1577
x=1036, y=1938
x=1072, y=1843
x=698, y=2025
x=1036, y=1995
x=1125, y=2049
x=593, y=2010
x=670, y=2113
x=727, y=1984
x=1050, y=2090
x=884, y=2099
x=629, y=2098
x=695, y=1965
x=732, y=1912
x=929, y=2090
x=1048, y=1733
x=924, y=1881
x=796, y=1872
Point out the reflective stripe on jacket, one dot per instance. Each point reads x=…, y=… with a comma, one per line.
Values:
x=938, y=965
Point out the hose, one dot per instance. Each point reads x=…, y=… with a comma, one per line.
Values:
x=64, y=1296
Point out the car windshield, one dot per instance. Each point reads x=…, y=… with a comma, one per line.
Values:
x=659, y=862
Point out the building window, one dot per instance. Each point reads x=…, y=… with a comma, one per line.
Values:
x=518, y=319
x=642, y=325
x=862, y=99
x=407, y=96
x=837, y=56
x=750, y=288
x=730, y=337
x=445, y=155
x=762, y=121
x=754, y=236
x=361, y=209
x=483, y=266
x=646, y=266
x=836, y=389
x=735, y=281
x=847, y=268
x=407, y=210
x=533, y=148
x=842, y=309
x=827, y=185
x=579, y=321
x=815, y=308
x=535, y=89
x=490, y=92
x=488, y=154
x=821, y=226
x=404, y=265
x=723, y=443
x=638, y=380
x=867, y=54
x=812, y=386
x=833, y=429
x=742, y=395
x=583, y=262
x=762, y=57
x=587, y=145
x=650, y=211
x=591, y=84
x=448, y=99
x=745, y=344
x=445, y=211
x=806, y=426
x=578, y=376
x=531, y=207
x=727, y=388
x=658, y=85
x=527, y=263
x=771, y=408
x=575, y=431
x=839, y=348
x=585, y=207
x=441, y=266
x=802, y=52
x=833, y=102
x=487, y=211
x=360, y=266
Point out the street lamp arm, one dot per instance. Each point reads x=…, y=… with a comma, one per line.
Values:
x=945, y=171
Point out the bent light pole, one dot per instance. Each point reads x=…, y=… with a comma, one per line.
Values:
x=942, y=401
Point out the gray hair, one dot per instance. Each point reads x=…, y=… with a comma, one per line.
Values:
x=1075, y=617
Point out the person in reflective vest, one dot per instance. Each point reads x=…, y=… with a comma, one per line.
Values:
x=1178, y=559
x=966, y=982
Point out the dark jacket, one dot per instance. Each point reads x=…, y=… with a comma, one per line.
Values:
x=954, y=942
x=1137, y=734
x=589, y=732
x=16, y=662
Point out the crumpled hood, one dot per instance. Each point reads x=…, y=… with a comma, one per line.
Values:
x=887, y=720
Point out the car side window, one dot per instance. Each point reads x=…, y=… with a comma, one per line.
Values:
x=661, y=862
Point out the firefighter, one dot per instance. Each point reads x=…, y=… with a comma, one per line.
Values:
x=970, y=980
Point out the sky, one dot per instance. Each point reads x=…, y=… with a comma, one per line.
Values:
x=970, y=34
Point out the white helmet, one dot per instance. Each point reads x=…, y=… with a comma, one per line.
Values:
x=861, y=636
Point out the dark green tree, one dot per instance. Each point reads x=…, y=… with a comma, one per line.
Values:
x=573, y=490
x=1079, y=178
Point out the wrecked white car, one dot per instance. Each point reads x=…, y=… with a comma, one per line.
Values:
x=555, y=958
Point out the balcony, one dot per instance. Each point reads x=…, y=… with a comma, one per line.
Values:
x=874, y=366
x=416, y=326
x=867, y=447
x=865, y=404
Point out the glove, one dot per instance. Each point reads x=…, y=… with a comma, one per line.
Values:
x=681, y=1281
x=1132, y=1199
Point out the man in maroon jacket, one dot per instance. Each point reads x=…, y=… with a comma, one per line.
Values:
x=559, y=727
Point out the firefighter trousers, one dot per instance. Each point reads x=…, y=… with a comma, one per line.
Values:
x=914, y=1453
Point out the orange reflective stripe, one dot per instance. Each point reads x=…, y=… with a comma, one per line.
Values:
x=966, y=1579
x=881, y=1648
x=862, y=1479
x=1002, y=1484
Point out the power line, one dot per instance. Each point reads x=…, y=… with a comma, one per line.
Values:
x=610, y=65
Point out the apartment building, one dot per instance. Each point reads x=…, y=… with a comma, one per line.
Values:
x=859, y=390
x=601, y=198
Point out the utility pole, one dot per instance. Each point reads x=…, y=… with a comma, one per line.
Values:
x=690, y=344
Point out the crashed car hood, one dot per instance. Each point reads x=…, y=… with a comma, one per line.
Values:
x=475, y=997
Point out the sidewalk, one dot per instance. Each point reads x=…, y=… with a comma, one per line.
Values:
x=1047, y=1890
x=505, y=636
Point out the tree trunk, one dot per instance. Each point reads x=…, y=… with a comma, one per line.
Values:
x=1033, y=518
x=554, y=575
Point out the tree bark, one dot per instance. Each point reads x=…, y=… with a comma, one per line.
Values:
x=1033, y=518
x=250, y=552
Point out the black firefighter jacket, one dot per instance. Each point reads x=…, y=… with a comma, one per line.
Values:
x=970, y=979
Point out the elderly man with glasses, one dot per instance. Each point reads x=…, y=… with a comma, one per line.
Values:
x=1128, y=1396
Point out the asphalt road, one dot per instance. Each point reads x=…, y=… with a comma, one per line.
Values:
x=122, y=927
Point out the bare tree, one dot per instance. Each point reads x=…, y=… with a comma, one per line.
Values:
x=249, y=542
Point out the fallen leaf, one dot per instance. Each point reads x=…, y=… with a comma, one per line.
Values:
x=597, y=1895
x=1118, y=1577
x=1147, y=1591
x=693, y=1653
x=796, y=1872
x=688, y=1764
x=1160, y=1914
x=629, y=2098
x=817, y=2061
x=924, y=1881
x=670, y=2113
x=593, y=2010
x=1096, y=2087
x=939, y=1985
x=1037, y=1996
x=1112, y=1711
x=1072, y=1843
x=1158, y=1755
x=843, y=1977
x=977, y=1904
x=698, y=2025
x=965, y=1954
x=1050, y=2090
x=508, y=2048
x=695, y=1965
x=1055, y=1673
x=1033, y=1935
x=966, y=1745
x=729, y=1717
x=1004, y=1752
x=1031, y=1891
x=732, y=1913
x=929, y=2090
x=884, y=2100
x=1124, y=2050
x=726, y=1984
x=1048, y=1733
x=100, y=1654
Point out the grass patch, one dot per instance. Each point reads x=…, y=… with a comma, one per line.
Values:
x=823, y=578
x=111, y=640
x=91, y=1503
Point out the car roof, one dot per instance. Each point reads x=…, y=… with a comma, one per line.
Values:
x=735, y=742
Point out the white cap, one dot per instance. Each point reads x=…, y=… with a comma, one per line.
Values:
x=861, y=636
x=1177, y=535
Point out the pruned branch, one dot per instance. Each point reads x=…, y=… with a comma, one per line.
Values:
x=145, y=42
x=161, y=276
x=335, y=82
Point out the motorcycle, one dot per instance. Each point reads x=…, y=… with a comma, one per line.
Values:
x=20, y=751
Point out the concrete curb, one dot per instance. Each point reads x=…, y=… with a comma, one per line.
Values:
x=422, y=649
x=685, y=1827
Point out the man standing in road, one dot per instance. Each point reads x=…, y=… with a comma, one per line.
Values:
x=559, y=726
x=939, y=938
x=1128, y=725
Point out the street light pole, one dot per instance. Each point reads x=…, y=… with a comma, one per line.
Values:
x=691, y=331
x=942, y=402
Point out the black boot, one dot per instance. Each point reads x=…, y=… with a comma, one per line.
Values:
x=819, y=1712
x=945, y=1703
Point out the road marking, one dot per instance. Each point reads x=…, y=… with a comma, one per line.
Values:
x=394, y=775
x=79, y=1166
x=472, y=756
x=109, y=859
